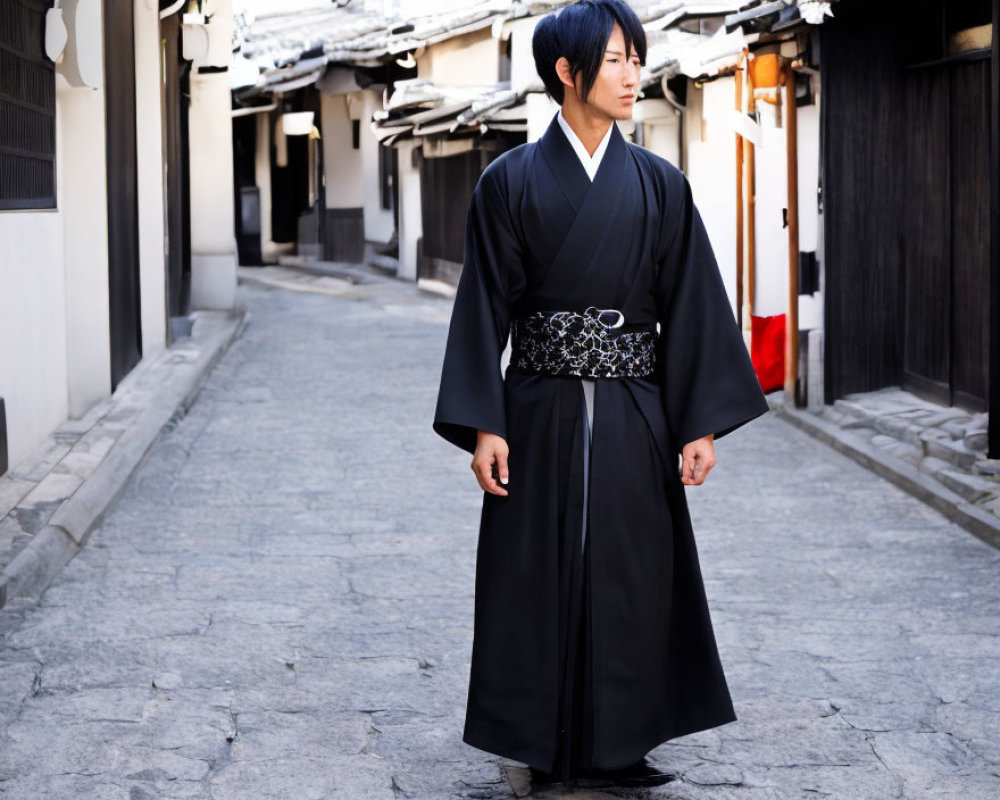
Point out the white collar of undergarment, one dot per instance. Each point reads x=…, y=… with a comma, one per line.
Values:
x=590, y=162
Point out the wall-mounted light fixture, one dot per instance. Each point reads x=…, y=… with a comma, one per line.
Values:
x=82, y=56
x=56, y=34
x=297, y=123
x=195, y=39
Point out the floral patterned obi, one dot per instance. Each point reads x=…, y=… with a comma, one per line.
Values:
x=586, y=345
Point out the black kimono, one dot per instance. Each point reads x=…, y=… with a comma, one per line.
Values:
x=592, y=641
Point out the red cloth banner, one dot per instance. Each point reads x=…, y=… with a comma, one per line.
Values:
x=767, y=350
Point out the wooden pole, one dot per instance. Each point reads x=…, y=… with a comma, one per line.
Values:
x=792, y=317
x=739, y=76
x=750, y=190
x=993, y=389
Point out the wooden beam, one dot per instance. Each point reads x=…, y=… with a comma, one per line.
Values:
x=792, y=171
x=749, y=273
x=993, y=388
x=739, y=78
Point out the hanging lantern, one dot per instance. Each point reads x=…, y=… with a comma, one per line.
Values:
x=765, y=69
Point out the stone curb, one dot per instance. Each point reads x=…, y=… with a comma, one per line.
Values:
x=980, y=523
x=31, y=571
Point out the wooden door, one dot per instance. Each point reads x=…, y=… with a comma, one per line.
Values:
x=970, y=232
x=945, y=241
x=123, y=215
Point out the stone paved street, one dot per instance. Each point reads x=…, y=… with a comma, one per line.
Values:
x=280, y=606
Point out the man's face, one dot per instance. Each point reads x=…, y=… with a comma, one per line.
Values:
x=617, y=82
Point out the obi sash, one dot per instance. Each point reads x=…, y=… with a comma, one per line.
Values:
x=585, y=345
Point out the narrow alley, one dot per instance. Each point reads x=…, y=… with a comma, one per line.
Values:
x=280, y=606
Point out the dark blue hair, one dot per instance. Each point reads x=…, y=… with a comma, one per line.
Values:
x=580, y=32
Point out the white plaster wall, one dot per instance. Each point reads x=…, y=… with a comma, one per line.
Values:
x=149, y=149
x=810, y=306
x=213, y=225
x=410, y=217
x=471, y=58
x=83, y=199
x=711, y=170
x=379, y=224
x=213, y=237
x=771, y=239
x=343, y=165
x=522, y=61
x=32, y=314
x=54, y=274
x=661, y=128
x=661, y=136
x=540, y=110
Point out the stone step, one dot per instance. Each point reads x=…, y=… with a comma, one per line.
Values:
x=974, y=488
x=899, y=428
x=910, y=453
x=939, y=445
x=987, y=466
x=854, y=412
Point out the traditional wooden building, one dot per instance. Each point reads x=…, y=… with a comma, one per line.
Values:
x=909, y=194
x=843, y=155
x=107, y=112
x=868, y=216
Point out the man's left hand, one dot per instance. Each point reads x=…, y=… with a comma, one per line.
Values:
x=698, y=457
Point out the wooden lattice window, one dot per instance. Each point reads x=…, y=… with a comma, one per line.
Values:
x=27, y=108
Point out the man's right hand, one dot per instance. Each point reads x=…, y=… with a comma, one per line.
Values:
x=490, y=448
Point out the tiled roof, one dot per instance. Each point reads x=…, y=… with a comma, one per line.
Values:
x=292, y=49
x=419, y=107
x=276, y=41
x=353, y=36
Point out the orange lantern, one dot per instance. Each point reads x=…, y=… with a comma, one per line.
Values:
x=765, y=70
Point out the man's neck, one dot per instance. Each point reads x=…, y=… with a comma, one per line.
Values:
x=586, y=124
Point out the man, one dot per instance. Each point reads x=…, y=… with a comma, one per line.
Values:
x=592, y=641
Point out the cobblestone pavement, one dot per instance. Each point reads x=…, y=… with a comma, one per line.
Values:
x=281, y=604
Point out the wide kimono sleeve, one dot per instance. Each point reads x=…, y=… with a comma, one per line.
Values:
x=471, y=392
x=708, y=380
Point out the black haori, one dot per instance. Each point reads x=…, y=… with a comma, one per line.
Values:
x=588, y=657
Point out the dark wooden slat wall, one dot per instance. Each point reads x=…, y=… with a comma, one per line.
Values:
x=862, y=194
x=906, y=192
x=993, y=391
x=970, y=192
x=926, y=227
x=123, y=233
x=446, y=186
x=344, y=235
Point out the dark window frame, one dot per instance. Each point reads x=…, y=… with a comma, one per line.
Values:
x=27, y=108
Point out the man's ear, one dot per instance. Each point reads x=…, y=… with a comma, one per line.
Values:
x=563, y=71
